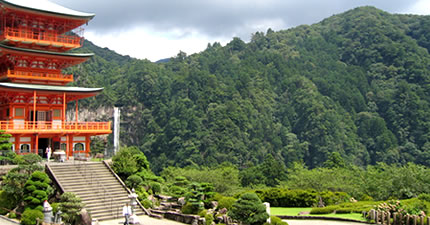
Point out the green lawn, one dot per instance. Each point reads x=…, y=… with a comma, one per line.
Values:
x=296, y=211
x=288, y=211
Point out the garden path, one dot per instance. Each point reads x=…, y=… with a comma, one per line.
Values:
x=321, y=222
x=143, y=220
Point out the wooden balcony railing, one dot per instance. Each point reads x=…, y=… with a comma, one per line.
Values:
x=55, y=127
x=43, y=76
x=28, y=36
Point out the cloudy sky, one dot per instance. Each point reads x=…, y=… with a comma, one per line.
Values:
x=157, y=29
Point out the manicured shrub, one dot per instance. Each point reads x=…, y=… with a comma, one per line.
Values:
x=274, y=220
x=249, y=210
x=37, y=189
x=226, y=202
x=71, y=206
x=324, y=210
x=343, y=210
x=155, y=187
x=133, y=181
x=190, y=208
x=29, y=217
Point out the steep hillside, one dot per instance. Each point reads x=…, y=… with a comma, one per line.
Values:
x=356, y=83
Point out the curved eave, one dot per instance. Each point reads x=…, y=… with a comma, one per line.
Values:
x=16, y=87
x=46, y=7
x=81, y=56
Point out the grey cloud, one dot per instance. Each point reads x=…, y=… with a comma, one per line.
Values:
x=216, y=18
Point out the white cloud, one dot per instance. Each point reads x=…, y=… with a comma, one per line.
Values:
x=145, y=43
x=422, y=7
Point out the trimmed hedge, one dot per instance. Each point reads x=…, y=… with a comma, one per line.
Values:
x=279, y=197
x=324, y=210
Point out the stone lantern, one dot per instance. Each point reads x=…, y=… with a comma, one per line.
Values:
x=133, y=204
x=47, y=212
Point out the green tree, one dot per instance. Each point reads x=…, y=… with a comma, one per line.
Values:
x=128, y=161
x=249, y=209
x=37, y=189
x=15, y=180
x=71, y=206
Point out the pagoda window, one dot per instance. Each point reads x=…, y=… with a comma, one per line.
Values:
x=24, y=148
x=19, y=112
x=38, y=64
x=79, y=147
x=22, y=63
x=63, y=146
x=56, y=113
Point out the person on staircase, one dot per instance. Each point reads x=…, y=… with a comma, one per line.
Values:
x=48, y=152
x=126, y=212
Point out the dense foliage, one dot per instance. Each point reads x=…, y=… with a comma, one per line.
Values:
x=355, y=83
x=70, y=206
x=37, y=189
x=249, y=209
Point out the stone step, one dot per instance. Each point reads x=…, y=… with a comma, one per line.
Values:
x=89, y=192
x=100, y=191
x=89, y=181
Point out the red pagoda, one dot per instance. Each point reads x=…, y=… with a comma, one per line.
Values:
x=34, y=39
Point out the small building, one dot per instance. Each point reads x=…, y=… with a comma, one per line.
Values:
x=35, y=37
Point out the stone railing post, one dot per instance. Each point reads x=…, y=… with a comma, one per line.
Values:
x=388, y=218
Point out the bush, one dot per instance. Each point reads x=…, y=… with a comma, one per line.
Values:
x=29, y=216
x=424, y=197
x=146, y=203
x=133, y=181
x=71, y=206
x=249, y=209
x=155, y=187
x=274, y=220
x=226, y=202
x=12, y=215
x=190, y=208
x=37, y=189
x=6, y=202
x=209, y=219
x=334, y=198
x=324, y=210
x=344, y=210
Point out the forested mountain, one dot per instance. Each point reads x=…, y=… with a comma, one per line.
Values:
x=356, y=83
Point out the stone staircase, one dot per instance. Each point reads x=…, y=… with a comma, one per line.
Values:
x=102, y=192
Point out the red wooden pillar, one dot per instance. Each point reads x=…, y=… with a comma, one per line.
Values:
x=87, y=146
x=34, y=110
x=36, y=149
x=64, y=107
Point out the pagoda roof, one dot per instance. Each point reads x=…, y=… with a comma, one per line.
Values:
x=27, y=50
x=44, y=6
x=49, y=88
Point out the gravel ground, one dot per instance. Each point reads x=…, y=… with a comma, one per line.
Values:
x=321, y=222
x=145, y=220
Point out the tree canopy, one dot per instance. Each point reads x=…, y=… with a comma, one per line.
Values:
x=355, y=84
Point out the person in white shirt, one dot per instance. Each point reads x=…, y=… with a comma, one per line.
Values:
x=48, y=152
x=126, y=212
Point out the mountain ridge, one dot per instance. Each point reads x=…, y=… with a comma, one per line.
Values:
x=355, y=83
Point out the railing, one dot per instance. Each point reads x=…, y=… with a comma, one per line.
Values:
x=92, y=179
x=28, y=35
x=38, y=76
x=48, y=126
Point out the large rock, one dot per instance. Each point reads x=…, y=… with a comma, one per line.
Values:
x=85, y=217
